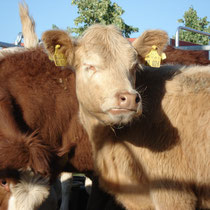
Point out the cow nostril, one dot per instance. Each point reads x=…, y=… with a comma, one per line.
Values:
x=123, y=98
x=137, y=98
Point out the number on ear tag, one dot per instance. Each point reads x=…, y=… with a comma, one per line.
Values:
x=153, y=58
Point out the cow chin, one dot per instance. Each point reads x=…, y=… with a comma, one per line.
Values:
x=122, y=118
x=115, y=115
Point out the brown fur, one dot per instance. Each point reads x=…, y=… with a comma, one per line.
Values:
x=24, y=149
x=41, y=98
x=53, y=38
x=149, y=38
x=8, y=177
x=181, y=57
x=185, y=57
x=4, y=197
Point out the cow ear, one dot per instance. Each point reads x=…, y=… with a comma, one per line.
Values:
x=59, y=42
x=150, y=38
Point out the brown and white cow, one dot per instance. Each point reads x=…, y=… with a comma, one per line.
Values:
x=160, y=160
x=23, y=190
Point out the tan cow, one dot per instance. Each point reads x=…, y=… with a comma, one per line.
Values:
x=162, y=159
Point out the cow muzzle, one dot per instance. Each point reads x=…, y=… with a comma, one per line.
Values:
x=126, y=103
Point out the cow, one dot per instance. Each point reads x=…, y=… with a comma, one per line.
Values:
x=150, y=147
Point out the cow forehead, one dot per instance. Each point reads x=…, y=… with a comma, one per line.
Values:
x=108, y=43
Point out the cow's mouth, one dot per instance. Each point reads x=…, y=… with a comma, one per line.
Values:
x=117, y=111
x=122, y=116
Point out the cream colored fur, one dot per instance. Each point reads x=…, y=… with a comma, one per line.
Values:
x=162, y=160
x=142, y=178
x=10, y=50
x=29, y=193
x=149, y=38
x=28, y=27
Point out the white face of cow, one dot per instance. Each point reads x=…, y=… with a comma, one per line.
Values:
x=105, y=77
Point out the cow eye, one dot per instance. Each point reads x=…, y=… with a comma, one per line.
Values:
x=92, y=68
x=3, y=182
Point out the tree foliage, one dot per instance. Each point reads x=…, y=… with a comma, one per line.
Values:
x=54, y=26
x=192, y=20
x=99, y=11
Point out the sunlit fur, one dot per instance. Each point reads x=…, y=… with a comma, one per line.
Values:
x=114, y=60
x=161, y=160
x=28, y=27
x=108, y=43
x=109, y=78
x=8, y=51
x=148, y=38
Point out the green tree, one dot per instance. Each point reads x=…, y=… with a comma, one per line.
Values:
x=192, y=20
x=99, y=11
x=54, y=26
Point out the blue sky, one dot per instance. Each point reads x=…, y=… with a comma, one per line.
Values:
x=144, y=14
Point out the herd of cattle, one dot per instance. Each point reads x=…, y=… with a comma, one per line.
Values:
x=142, y=134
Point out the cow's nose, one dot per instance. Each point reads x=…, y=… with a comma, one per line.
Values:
x=129, y=100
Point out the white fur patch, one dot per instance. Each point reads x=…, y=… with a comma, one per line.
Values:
x=29, y=193
x=11, y=203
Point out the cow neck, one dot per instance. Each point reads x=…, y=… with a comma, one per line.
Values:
x=98, y=132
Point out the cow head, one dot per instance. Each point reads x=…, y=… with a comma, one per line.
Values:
x=105, y=64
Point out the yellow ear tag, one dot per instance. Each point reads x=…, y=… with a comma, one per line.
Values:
x=153, y=58
x=59, y=58
x=51, y=57
x=163, y=56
